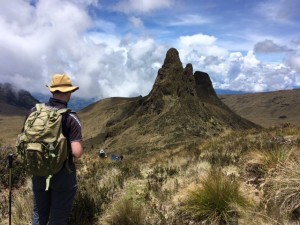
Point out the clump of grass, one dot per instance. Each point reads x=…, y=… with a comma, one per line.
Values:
x=217, y=200
x=282, y=190
x=22, y=206
x=98, y=182
x=275, y=156
x=126, y=212
x=261, y=162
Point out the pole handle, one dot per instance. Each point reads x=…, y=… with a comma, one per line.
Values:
x=10, y=160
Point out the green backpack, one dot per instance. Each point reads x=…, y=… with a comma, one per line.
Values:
x=42, y=145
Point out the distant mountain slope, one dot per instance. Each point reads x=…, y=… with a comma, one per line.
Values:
x=75, y=103
x=13, y=107
x=267, y=109
x=230, y=92
x=15, y=102
x=182, y=107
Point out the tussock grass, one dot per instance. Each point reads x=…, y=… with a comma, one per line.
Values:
x=282, y=191
x=216, y=200
x=99, y=181
x=126, y=212
x=275, y=156
x=23, y=206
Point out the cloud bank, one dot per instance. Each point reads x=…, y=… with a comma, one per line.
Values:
x=55, y=36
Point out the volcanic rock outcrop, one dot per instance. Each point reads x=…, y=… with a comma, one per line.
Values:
x=174, y=80
x=181, y=107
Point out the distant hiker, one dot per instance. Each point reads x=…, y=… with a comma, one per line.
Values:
x=116, y=158
x=53, y=194
x=102, y=154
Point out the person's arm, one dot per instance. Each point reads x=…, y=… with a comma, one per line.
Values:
x=77, y=149
x=75, y=136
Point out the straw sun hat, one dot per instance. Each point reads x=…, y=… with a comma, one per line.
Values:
x=62, y=83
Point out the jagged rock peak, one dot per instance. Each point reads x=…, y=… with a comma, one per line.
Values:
x=172, y=57
x=205, y=90
x=188, y=70
x=204, y=85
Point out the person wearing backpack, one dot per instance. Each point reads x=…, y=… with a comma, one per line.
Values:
x=54, y=189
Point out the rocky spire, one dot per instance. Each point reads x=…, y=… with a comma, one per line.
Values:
x=204, y=87
x=172, y=57
x=177, y=82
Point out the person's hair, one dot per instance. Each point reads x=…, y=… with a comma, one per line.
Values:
x=60, y=93
x=56, y=92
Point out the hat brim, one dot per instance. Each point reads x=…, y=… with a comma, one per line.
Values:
x=63, y=89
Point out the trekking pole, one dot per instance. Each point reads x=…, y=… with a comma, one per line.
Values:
x=10, y=161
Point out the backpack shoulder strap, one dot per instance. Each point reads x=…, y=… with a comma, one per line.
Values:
x=65, y=110
x=39, y=106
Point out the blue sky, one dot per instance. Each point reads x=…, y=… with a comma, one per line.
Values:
x=115, y=47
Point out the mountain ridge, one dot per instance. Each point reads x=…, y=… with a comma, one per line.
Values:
x=14, y=101
x=267, y=108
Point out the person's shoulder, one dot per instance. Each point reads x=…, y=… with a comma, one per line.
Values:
x=73, y=117
x=72, y=113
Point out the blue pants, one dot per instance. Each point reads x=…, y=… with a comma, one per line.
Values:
x=53, y=206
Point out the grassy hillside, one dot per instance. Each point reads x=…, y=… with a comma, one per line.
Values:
x=238, y=177
x=267, y=109
x=11, y=122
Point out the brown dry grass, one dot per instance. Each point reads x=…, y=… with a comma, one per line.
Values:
x=10, y=126
x=267, y=109
x=159, y=182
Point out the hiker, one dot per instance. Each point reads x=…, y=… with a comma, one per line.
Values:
x=54, y=206
x=102, y=154
x=116, y=158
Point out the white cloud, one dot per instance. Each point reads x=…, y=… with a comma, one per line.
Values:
x=294, y=62
x=102, y=64
x=250, y=60
x=204, y=44
x=197, y=39
x=189, y=20
x=136, y=22
x=142, y=6
x=243, y=72
x=39, y=40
